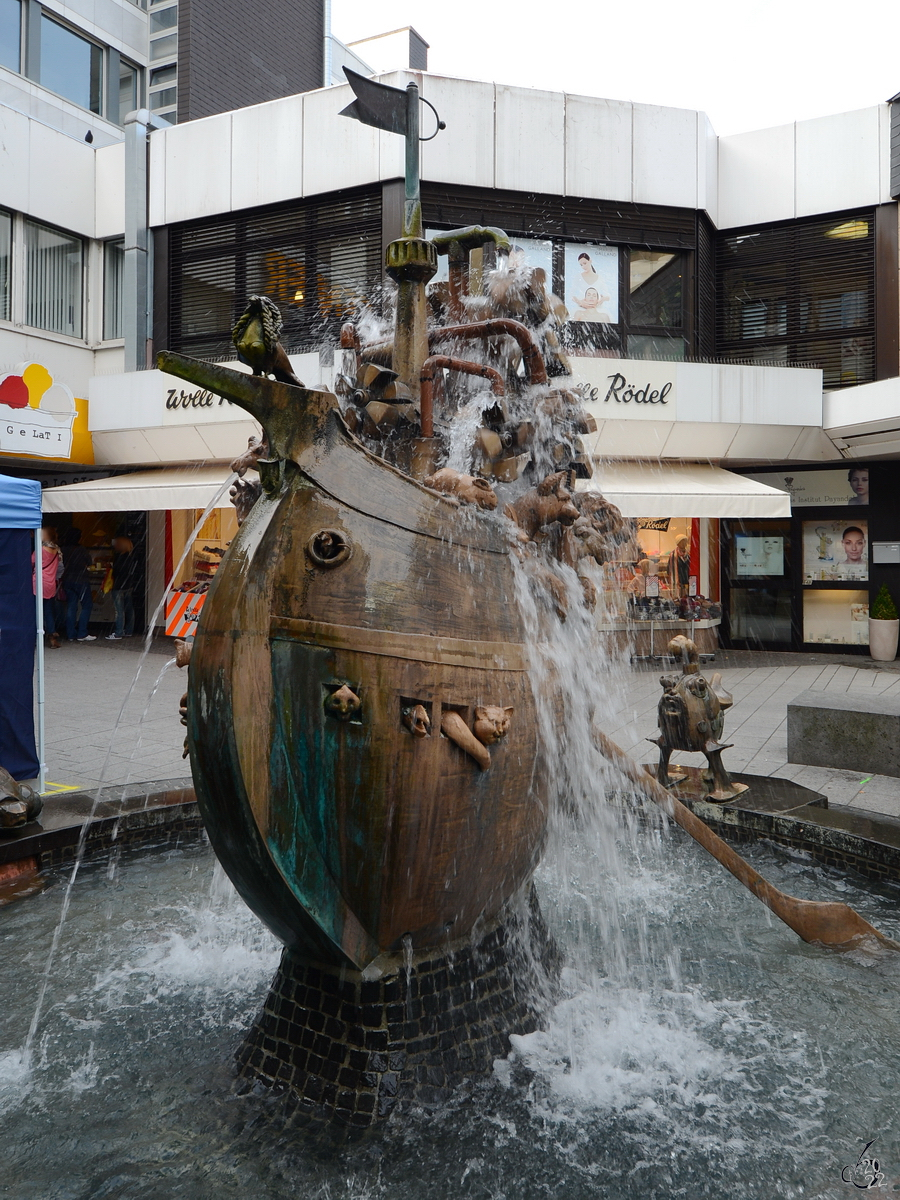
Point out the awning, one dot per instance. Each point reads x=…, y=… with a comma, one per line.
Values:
x=143, y=491
x=20, y=503
x=656, y=489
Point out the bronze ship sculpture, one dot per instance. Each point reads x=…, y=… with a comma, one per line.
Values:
x=361, y=715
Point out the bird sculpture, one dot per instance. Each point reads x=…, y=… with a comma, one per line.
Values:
x=255, y=337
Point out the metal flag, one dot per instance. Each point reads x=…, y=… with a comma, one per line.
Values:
x=376, y=104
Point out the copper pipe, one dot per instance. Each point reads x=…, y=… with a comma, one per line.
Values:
x=349, y=337
x=534, y=362
x=439, y=362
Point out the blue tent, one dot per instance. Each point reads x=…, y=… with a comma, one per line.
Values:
x=21, y=627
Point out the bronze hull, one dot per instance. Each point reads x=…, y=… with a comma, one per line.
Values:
x=347, y=835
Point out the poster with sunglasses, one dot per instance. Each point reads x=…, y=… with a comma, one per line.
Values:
x=835, y=550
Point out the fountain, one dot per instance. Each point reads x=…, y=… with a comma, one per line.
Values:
x=372, y=758
x=393, y=708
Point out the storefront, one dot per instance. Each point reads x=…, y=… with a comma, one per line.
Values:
x=668, y=581
x=805, y=581
x=189, y=522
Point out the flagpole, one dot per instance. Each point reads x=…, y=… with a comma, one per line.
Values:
x=412, y=212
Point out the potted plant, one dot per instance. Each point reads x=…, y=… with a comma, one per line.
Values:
x=884, y=627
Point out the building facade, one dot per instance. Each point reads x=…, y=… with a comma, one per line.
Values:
x=752, y=280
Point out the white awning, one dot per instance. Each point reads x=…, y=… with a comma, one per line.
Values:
x=142, y=491
x=651, y=488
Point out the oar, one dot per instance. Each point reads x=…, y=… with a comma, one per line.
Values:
x=829, y=924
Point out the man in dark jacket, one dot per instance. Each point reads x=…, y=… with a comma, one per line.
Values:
x=76, y=584
x=124, y=574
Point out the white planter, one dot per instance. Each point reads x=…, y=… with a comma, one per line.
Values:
x=883, y=639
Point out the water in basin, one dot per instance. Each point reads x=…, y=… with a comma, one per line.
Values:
x=705, y=1052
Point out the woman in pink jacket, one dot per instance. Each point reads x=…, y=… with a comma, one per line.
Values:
x=50, y=568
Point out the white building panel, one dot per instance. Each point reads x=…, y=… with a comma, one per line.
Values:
x=758, y=443
x=228, y=441
x=60, y=180
x=157, y=182
x=129, y=447
x=198, y=168
x=700, y=440
x=633, y=439
x=756, y=177
x=665, y=156
x=463, y=153
x=838, y=161
x=267, y=153
x=109, y=167
x=337, y=151
x=707, y=168
x=530, y=140
x=598, y=148
x=14, y=140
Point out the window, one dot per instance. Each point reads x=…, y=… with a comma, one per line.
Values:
x=163, y=75
x=164, y=99
x=801, y=293
x=316, y=260
x=164, y=47
x=71, y=66
x=53, y=279
x=129, y=100
x=164, y=18
x=11, y=34
x=113, y=283
x=5, y=255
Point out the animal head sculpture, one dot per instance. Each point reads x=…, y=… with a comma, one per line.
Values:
x=467, y=488
x=415, y=718
x=342, y=703
x=541, y=506
x=491, y=723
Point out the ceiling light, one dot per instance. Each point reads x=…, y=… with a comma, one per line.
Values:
x=850, y=230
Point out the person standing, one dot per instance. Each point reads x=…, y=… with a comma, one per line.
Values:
x=124, y=575
x=77, y=586
x=49, y=571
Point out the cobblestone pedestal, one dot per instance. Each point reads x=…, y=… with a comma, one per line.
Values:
x=349, y=1049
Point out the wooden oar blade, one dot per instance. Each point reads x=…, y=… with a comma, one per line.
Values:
x=828, y=923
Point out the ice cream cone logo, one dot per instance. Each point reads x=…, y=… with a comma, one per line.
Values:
x=31, y=386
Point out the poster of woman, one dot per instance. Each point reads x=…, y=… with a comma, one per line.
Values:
x=835, y=550
x=592, y=284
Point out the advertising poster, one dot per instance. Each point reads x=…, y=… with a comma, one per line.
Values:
x=756, y=554
x=592, y=284
x=826, y=488
x=835, y=550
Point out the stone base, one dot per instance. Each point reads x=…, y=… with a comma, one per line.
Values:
x=349, y=1048
x=847, y=730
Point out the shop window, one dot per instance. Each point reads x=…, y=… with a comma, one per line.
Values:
x=71, y=66
x=5, y=259
x=53, y=279
x=11, y=34
x=129, y=89
x=113, y=282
